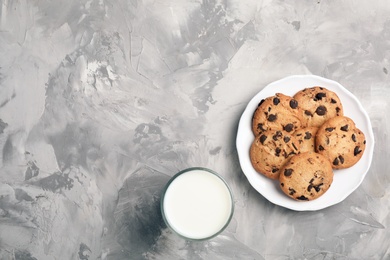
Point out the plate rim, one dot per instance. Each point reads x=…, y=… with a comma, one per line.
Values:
x=304, y=206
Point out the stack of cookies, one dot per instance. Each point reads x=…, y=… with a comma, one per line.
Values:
x=300, y=140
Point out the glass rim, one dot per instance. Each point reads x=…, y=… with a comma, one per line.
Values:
x=179, y=174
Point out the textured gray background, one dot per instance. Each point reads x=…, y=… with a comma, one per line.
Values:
x=102, y=101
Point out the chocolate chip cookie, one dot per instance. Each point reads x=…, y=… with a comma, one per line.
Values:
x=271, y=150
x=279, y=112
x=306, y=176
x=306, y=138
x=318, y=105
x=339, y=140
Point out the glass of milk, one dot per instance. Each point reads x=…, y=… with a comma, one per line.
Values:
x=197, y=204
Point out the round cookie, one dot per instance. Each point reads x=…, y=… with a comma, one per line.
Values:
x=306, y=176
x=339, y=140
x=306, y=138
x=271, y=150
x=279, y=112
x=318, y=104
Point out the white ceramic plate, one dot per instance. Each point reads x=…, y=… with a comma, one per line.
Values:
x=345, y=181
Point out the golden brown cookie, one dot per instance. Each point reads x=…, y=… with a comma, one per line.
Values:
x=339, y=140
x=306, y=176
x=318, y=104
x=271, y=150
x=306, y=138
x=279, y=112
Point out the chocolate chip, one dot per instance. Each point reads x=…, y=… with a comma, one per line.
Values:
x=333, y=101
x=320, y=95
x=288, y=127
x=307, y=135
x=344, y=128
x=308, y=113
x=364, y=142
x=269, y=109
x=288, y=172
x=274, y=169
x=321, y=110
x=277, y=151
x=321, y=148
x=291, y=153
x=357, y=150
x=260, y=126
x=341, y=158
x=291, y=191
x=302, y=198
x=293, y=103
x=272, y=117
x=317, y=187
x=261, y=102
x=329, y=129
x=263, y=138
x=282, y=184
x=336, y=161
x=286, y=139
x=277, y=135
x=354, y=137
x=338, y=109
x=276, y=101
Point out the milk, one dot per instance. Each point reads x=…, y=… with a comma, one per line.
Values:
x=197, y=204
